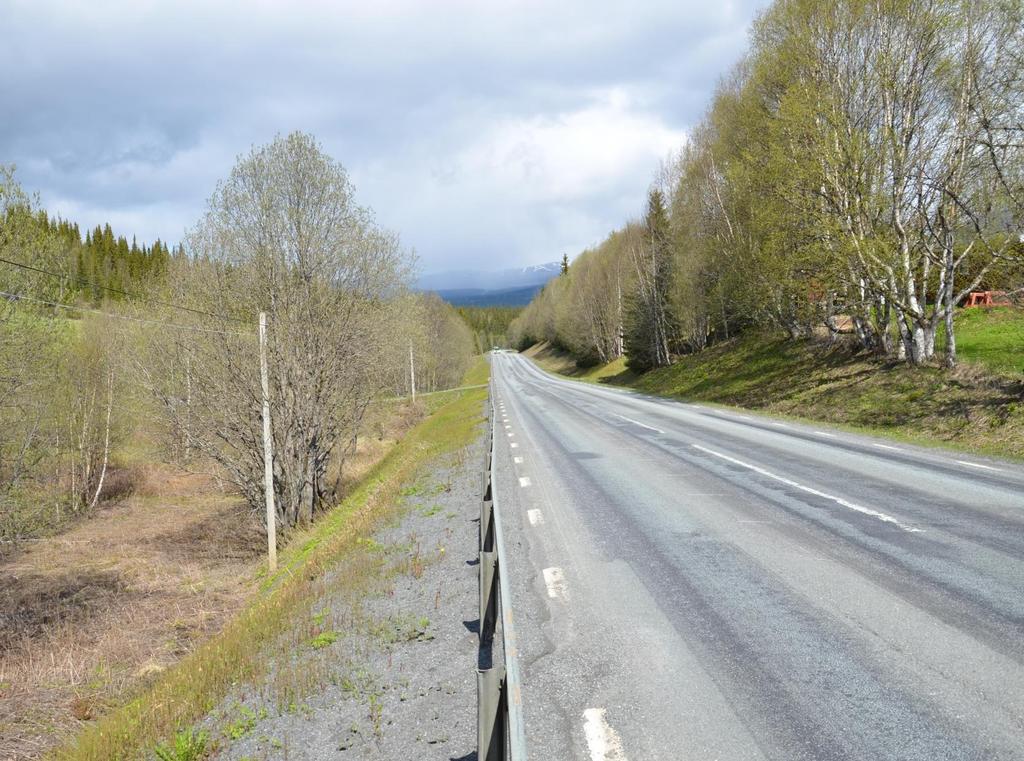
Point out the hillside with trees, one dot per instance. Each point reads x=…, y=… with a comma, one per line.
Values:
x=490, y=325
x=856, y=176
x=100, y=338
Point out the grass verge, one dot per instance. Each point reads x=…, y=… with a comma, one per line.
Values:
x=190, y=690
x=978, y=407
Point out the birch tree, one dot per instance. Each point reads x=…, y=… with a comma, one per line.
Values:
x=283, y=234
x=889, y=96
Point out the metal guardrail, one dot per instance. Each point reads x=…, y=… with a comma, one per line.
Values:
x=501, y=732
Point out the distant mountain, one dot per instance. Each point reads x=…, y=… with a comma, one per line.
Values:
x=534, y=276
x=477, y=297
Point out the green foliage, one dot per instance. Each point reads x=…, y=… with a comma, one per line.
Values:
x=324, y=639
x=188, y=745
x=444, y=344
x=62, y=406
x=801, y=203
x=102, y=267
x=244, y=723
x=582, y=311
x=991, y=337
x=490, y=325
x=648, y=321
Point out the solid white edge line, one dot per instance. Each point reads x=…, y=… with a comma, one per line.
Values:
x=826, y=433
x=602, y=741
x=535, y=517
x=885, y=446
x=554, y=580
x=789, y=482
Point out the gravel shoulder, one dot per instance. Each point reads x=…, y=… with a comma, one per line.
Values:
x=386, y=664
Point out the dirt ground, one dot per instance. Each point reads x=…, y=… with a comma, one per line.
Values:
x=88, y=616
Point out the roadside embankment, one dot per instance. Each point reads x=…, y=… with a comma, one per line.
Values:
x=978, y=406
x=288, y=618
x=384, y=664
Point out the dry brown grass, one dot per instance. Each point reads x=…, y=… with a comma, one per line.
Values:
x=278, y=615
x=384, y=426
x=90, y=616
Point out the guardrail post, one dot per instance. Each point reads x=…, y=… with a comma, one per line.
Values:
x=488, y=595
x=491, y=714
x=487, y=525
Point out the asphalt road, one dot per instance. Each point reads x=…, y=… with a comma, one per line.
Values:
x=696, y=583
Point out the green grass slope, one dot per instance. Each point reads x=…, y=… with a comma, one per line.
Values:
x=990, y=337
x=978, y=406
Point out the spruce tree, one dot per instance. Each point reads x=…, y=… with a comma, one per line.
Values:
x=648, y=319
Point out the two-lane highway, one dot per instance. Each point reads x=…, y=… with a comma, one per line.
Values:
x=693, y=583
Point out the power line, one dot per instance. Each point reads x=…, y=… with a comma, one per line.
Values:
x=20, y=297
x=129, y=294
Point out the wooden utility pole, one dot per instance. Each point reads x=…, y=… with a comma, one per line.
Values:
x=188, y=408
x=412, y=373
x=268, y=450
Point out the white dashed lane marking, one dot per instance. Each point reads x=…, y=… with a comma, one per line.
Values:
x=789, y=482
x=976, y=465
x=524, y=481
x=513, y=444
x=517, y=460
x=554, y=580
x=637, y=422
x=535, y=517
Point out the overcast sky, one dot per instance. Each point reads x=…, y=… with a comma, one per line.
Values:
x=488, y=134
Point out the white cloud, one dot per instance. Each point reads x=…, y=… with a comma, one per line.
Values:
x=574, y=155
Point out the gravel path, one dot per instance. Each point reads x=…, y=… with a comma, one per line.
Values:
x=386, y=666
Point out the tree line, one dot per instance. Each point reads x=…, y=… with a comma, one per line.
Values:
x=859, y=172
x=172, y=345
x=101, y=266
x=490, y=325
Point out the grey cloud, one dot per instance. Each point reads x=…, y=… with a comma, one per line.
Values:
x=132, y=111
